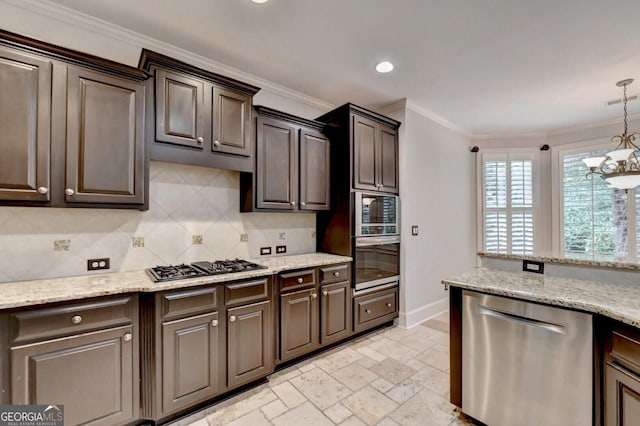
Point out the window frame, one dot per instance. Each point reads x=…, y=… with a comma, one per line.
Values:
x=496, y=154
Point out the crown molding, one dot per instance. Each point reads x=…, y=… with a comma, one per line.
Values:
x=138, y=40
x=436, y=118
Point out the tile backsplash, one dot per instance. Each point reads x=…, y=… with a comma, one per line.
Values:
x=193, y=215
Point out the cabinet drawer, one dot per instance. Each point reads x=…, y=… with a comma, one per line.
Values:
x=332, y=274
x=298, y=279
x=625, y=347
x=72, y=318
x=246, y=291
x=184, y=302
x=375, y=308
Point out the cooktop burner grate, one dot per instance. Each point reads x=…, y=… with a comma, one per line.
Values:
x=201, y=269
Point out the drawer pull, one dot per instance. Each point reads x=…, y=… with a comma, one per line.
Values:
x=314, y=295
x=325, y=292
x=43, y=190
x=336, y=274
x=388, y=305
x=300, y=280
x=200, y=139
x=76, y=319
x=69, y=192
x=367, y=311
x=216, y=143
x=214, y=323
x=232, y=318
x=127, y=337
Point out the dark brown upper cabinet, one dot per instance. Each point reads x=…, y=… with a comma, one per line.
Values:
x=72, y=128
x=25, y=120
x=292, y=171
x=200, y=118
x=367, y=154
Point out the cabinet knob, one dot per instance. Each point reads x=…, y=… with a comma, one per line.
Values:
x=232, y=318
x=69, y=191
x=127, y=337
x=300, y=280
x=325, y=292
x=76, y=319
x=214, y=323
x=216, y=143
x=388, y=305
x=43, y=190
x=200, y=139
x=293, y=203
x=336, y=274
x=367, y=311
x=314, y=295
x=302, y=203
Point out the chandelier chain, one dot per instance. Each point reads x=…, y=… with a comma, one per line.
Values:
x=625, y=109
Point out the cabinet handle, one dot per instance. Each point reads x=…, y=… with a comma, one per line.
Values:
x=325, y=292
x=293, y=203
x=216, y=143
x=69, y=191
x=127, y=337
x=367, y=311
x=43, y=190
x=388, y=305
x=232, y=318
x=336, y=274
x=76, y=319
x=300, y=280
x=314, y=295
x=214, y=323
x=200, y=139
x=302, y=203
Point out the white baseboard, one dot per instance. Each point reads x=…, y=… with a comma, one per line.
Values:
x=423, y=313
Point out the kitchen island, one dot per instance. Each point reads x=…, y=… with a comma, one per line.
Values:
x=613, y=312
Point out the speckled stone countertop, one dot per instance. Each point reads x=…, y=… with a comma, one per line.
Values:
x=567, y=261
x=618, y=301
x=27, y=293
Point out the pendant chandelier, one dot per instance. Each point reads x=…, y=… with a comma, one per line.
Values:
x=620, y=168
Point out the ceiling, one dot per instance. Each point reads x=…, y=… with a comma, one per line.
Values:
x=486, y=66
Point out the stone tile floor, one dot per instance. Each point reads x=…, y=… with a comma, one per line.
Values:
x=390, y=377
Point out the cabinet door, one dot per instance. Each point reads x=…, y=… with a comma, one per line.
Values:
x=298, y=323
x=190, y=354
x=180, y=109
x=231, y=122
x=25, y=120
x=249, y=343
x=622, y=396
x=276, y=165
x=105, y=139
x=365, y=135
x=314, y=170
x=91, y=374
x=335, y=312
x=388, y=159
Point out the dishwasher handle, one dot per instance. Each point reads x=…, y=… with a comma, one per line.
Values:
x=549, y=326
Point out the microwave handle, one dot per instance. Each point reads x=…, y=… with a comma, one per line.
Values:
x=376, y=241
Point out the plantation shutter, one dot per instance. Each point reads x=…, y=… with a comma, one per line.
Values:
x=508, y=204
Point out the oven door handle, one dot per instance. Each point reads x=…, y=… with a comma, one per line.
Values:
x=376, y=241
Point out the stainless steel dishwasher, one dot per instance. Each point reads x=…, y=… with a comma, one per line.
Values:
x=524, y=363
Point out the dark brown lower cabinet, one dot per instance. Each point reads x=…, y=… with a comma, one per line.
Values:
x=249, y=343
x=190, y=358
x=91, y=374
x=622, y=378
x=335, y=312
x=374, y=308
x=298, y=323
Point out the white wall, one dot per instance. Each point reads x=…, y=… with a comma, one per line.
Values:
x=437, y=181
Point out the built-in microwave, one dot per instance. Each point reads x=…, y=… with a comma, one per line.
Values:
x=376, y=214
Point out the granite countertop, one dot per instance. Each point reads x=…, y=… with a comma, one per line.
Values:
x=27, y=293
x=618, y=301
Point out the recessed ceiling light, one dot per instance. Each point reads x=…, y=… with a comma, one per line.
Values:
x=384, y=67
x=259, y=1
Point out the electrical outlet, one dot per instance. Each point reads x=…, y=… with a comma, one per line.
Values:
x=533, y=266
x=98, y=264
x=196, y=239
x=265, y=250
x=414, y=230
x=137, y=241
x=281, y=249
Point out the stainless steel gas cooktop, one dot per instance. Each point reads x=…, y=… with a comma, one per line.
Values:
x=201, y=269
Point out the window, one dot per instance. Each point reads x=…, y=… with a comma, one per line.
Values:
x=507, y=203
x=598, y=222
